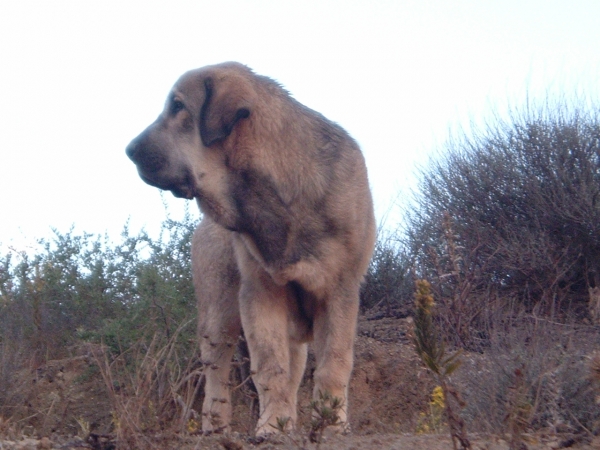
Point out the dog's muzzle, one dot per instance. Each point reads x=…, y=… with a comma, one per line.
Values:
x=148, y=158
x=152, y=165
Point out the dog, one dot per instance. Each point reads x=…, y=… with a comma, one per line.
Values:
x=286, y=237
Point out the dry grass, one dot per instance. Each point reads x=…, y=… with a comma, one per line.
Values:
x=150, y=391
x=21, y=411
x=535, y=375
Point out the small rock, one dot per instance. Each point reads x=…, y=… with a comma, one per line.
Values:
x=231, y=444
x=44, y=444
x=7, y=445
x=27, y=444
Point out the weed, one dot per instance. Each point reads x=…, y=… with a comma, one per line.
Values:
x=85, y=427
x=284, y=427
x=193, y=426
x=519, y=411
x=433, y=354
x=282, y=424
x=326, y=411
x=433, y=421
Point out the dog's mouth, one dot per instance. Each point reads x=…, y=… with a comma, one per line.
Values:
x=181, y=188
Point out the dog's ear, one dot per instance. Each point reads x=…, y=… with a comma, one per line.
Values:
x=223, y=107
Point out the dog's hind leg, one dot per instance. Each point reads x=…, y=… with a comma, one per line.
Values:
x=334, y=333
x=298, y=355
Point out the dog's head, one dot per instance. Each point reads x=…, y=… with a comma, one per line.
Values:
x=182, y=151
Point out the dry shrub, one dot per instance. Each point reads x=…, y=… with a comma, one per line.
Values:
x=533, y=376
x=388, y=287
x=462, y=297
x=511, y=211
x=152, y=389
x=40, y=399
x=13, y=409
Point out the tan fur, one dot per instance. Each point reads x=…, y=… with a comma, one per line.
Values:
x=286, y=238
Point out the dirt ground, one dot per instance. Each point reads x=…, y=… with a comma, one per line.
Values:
x=389, y=390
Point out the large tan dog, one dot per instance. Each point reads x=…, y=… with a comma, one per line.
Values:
x=286, y=237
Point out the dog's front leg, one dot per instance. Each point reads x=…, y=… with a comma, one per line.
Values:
x=275, y=356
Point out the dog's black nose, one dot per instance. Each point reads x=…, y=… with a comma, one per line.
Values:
x=132, y=150
x=147, y=156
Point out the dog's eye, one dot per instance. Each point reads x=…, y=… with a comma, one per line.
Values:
x=176, y=106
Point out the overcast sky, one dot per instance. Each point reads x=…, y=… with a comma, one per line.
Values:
x=79, y=79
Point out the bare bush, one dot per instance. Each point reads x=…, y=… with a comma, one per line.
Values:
x=534, y=375
x=513, y=211
x=389, y=283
